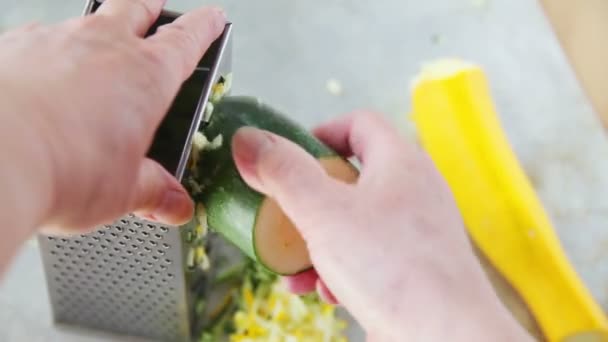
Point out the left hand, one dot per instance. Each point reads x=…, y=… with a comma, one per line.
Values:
x=80, y=102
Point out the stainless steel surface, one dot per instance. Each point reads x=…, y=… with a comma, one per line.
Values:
x=221, y=68
x=218, y=60
x=126, y=278
x=287, y=50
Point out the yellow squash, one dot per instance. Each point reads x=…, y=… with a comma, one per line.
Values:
x=458, y=126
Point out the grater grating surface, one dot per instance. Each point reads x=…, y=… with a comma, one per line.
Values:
x=126, y=278
x=132, y=277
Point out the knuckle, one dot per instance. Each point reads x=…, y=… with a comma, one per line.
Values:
x=144, y=7
x=181, y=36
x=90, y=22
x=153, y=58
x=280, y=165
x=155, y=72
x=366, y=116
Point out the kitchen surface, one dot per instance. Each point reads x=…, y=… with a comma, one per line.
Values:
x=317, y=59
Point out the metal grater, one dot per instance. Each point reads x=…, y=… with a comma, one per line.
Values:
x=132, y=277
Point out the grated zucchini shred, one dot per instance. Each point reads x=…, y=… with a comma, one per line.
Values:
x=267, y=311
x=277, y=315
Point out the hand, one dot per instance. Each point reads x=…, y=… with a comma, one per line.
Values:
x=82, y=100
x=391, y=248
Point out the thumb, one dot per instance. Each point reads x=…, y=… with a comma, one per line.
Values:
x=159, y=196
x=282, y=170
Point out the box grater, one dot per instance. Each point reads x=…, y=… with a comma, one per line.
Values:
x=136, y=277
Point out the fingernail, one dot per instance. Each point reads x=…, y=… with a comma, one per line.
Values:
x=176, y=207
x=249, y=144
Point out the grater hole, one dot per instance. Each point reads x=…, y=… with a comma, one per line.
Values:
x=104, y=277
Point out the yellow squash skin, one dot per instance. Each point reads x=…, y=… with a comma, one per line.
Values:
x=458, y=126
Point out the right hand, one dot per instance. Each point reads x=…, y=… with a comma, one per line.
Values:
x=392, y=247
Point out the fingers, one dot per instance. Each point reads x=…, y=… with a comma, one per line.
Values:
x=302, y=283
x=282, y=170
x=136, y=15
x=365, y=135
x=183, y=42
x=159, y=196
x=307, y=282
x=324, y=293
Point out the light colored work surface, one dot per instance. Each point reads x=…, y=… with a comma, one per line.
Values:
x=285, y=51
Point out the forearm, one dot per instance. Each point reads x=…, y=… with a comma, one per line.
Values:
x=25, y=180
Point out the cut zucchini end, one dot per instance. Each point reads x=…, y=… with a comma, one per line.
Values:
x=277, y=242
x=340, y=169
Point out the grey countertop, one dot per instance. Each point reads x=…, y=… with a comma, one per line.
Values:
x=286, y=51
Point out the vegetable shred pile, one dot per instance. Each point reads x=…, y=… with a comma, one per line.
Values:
x=265, y=311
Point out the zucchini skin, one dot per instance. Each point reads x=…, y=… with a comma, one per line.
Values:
x=231, y=205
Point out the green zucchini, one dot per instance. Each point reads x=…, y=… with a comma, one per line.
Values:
x=246, y=218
